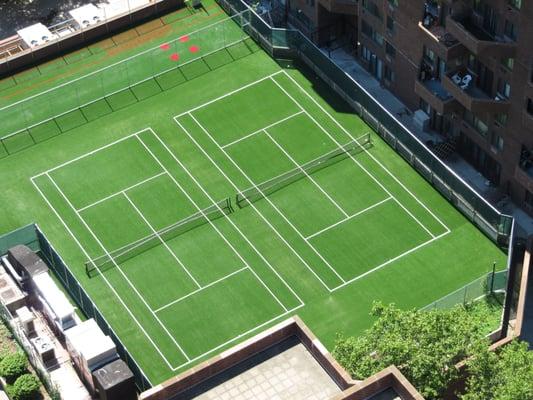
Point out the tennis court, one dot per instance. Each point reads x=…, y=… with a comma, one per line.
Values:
x=132, y=205
x=201, y=199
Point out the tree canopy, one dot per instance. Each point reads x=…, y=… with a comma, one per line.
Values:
x=425, y=346
x=506, y=375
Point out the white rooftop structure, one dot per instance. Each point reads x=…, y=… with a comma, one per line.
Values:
x=36, y=35
x=89, y=342
x=55, y=299
x=87, y=15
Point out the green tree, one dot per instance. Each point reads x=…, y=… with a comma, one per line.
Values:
x=506, y=375
x=26, y=387
x=13, y=365
x=425, y=346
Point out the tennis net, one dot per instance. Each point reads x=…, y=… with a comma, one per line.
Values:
x=272, y=185
x=133, y=249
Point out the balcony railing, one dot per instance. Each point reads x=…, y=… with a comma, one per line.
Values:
x=464, y=90
x=449, y=47
x=477, y=40
x=432, y=91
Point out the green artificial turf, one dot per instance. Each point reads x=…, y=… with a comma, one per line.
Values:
x=324, y=246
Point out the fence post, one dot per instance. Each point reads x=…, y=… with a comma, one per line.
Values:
x=492, y=277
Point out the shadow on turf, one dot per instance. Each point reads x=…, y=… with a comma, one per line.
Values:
x=322, y=89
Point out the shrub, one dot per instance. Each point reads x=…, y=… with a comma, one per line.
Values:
x=13, y=366
x=4, y=352
x=26, y=387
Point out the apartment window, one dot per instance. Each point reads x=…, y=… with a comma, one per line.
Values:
x=529, y=106
x=393, y=3
x=390, y=23
x=372, y=8
x=501, y=119
x=390, y=50
x=508, y=63
x=480, y=126
x=366, y=29
x=424, y=106
x=516, y=3
x=378, y=38
x=510, y=30
x=429, y=54
x=366, y=54
x=497, y=142
x=504, y=88
x=370, y=32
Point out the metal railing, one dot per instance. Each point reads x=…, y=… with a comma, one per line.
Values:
x=493, y=282
x=38, y=117
x=65, y=29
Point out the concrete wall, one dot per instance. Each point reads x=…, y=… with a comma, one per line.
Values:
x=77, y=39
x=352, y=390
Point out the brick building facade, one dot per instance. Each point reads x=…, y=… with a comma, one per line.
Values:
x=468, y=64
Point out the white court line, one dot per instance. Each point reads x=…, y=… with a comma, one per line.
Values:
x=90, y=153
x=355, y=160
x=123, y=61
x=201, y=211
x=251, y=205
x=267, y=199
x=241, y=335
x=226, y=217
x=121, y=191
x=230, y=93
x=200, y=289
x=391, y=260
x=247, y=241
x=165, y=245
x=307, y=175
x=349, y=217
x=301, y=303
x=117, y=266
x=261, y=130
x=366, y=151
x=103, y=277
x=191, y=360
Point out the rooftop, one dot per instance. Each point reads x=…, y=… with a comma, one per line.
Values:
x=284, y=371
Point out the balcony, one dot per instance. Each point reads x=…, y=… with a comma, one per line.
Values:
x=477, y=40
x=432, y=92
x=347, y=7
x=448, y=46
x=471, y=97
